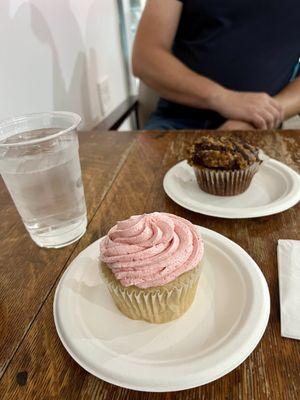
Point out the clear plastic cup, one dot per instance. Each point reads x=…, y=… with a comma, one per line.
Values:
x=39, y=163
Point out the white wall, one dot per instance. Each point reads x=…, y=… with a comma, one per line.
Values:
x=54, y=53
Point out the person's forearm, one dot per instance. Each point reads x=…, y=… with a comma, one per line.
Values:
x=289, y=98
x=168, y=76
x=159, y=69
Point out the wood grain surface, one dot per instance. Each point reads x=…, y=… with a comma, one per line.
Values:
x=123, y=175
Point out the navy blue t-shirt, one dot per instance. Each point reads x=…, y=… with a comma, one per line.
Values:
x=245, y=45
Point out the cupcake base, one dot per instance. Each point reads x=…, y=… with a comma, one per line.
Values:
x=225, y=183
x=158, y=304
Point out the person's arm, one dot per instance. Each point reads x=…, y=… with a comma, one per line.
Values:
x=289, y=98
x=154, y=63
x=232, y=125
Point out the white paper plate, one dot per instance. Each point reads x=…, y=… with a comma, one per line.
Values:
x=274, y=188
x=222, y=327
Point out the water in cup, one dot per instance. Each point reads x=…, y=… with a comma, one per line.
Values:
x=45, y=183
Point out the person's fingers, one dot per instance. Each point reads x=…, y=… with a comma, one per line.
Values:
x=280, y=116
x=269, y=119
x=259, y=109
x=276, y=115
x=274, y=107
x=279, y=107
x=258, y=122
x=275, y=104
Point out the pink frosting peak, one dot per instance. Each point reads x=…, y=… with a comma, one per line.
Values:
x=151, y=249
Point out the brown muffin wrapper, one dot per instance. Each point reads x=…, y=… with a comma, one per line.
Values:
x=158, y=304
x=225, y=183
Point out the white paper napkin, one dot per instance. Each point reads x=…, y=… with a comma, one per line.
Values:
x=288, y=254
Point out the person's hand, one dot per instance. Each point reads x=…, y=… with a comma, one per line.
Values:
x=258, y=109
x=232, y=125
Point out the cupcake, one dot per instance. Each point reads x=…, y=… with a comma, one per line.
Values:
x=151, y=266
x=223, y=166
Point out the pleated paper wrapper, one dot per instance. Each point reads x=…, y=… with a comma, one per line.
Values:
x=225, y=183
x=158, y=304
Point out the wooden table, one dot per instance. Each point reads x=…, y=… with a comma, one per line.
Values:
x=123, y=175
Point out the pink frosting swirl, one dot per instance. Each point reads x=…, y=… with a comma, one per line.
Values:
x=152, y=249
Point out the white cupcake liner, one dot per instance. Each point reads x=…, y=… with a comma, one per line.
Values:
x=158, y=304
x=225, y=183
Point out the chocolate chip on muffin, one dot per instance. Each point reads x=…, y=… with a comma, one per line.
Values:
x=222, y=153
x=223, y=166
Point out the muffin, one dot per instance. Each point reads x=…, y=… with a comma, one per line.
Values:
x=151, y=266
x=223, y=166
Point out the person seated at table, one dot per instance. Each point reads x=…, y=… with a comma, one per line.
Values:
x=227, y=64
